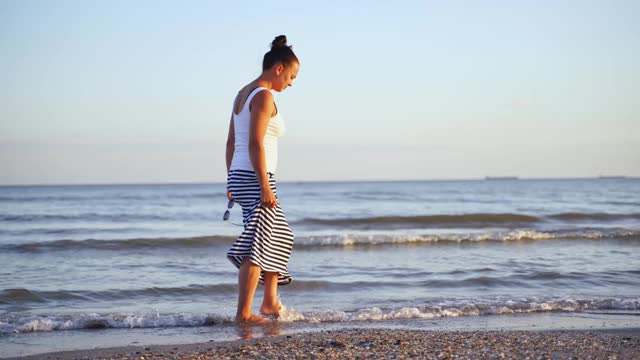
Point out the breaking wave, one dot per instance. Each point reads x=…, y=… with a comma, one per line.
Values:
x=338, y=240
x=478, y=220
x=440, y=309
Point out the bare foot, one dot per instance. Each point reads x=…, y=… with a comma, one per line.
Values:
x=252, y=319
x=271, y=310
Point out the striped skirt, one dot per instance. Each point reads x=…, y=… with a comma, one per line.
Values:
x=267, y=238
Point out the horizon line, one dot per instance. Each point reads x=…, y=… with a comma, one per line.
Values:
x=487, y=178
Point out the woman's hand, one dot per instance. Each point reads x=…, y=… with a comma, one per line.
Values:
x=229, y=195
x=267, y=198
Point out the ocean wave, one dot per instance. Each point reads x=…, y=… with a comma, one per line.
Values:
x=436, y=309
x=71, y=198
x=120, y=244
x=445, y=221
x=88, y=217
x=18, y=296
x=425, y=280
x=337, y=240
x=477, y=220
x=500, y=236
x=465, y=308
x=152, y=196
x=71, y=231
x=623, y=203
x=593, y=216
x=471, y=220
x=109, y=321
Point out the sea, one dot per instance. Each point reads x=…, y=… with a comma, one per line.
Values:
x=102, y=265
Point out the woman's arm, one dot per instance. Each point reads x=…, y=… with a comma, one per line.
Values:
x=231, y=144
x=261, y=109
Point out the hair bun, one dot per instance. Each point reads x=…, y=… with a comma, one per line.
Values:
x=280, y=53
x=279, y=42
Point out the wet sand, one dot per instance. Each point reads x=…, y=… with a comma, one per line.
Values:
x=388, y=343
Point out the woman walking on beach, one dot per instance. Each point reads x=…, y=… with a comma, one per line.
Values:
x=262, y=251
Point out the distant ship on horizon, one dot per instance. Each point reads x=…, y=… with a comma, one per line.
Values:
x=501, y=178
x=612, y=177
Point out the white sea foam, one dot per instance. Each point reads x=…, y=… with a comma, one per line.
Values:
x=497, y=236
x=463, y=308
x=449, y=308
x=94, y=321
x=336, y=239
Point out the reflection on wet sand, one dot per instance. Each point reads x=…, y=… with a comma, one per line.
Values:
x=248, y=330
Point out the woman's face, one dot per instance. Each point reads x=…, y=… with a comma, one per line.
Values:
x=285, y=76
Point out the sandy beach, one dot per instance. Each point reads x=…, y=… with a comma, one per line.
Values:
x=386, y=343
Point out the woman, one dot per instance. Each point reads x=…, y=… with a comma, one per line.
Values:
x=263, y=249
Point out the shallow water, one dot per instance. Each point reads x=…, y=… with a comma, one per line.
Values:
x=153, y=256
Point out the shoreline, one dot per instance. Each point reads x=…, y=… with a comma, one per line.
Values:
x=385, y=343
x=226, y=339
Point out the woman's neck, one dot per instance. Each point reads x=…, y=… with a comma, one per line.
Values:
x=264, y=82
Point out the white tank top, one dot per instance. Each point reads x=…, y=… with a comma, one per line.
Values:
x=275, y=129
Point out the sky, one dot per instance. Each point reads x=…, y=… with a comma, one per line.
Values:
x=142, y=92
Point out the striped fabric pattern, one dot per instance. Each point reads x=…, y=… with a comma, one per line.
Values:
x=267, y=238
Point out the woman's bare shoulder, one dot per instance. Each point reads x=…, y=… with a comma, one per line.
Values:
x=241, y=96
x=263, y=99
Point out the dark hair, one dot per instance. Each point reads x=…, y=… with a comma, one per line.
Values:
x=280, y=52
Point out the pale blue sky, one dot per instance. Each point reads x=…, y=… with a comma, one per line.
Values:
x=121, y=91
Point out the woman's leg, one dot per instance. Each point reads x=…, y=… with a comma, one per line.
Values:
x=270, y=305
x=247, y=282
